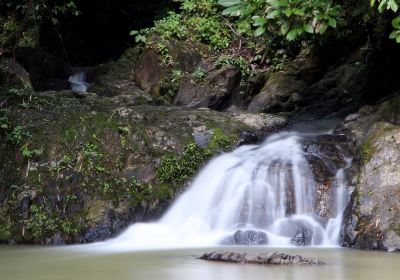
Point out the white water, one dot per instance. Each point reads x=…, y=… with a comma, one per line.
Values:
x=267, y=188
x=78, y=82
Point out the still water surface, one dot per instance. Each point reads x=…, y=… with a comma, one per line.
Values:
x=24, y=263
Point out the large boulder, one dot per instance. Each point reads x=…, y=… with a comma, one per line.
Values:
x=309, y=90
x=155, y=64
x=372, y=217
x=281, y=93
x=217, y=86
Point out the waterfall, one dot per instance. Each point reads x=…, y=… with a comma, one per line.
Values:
x=78, y=82
x=256, y=195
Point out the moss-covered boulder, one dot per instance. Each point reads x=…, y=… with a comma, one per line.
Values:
x=82, y=169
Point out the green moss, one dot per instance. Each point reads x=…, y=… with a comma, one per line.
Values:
x=367, y=151
x=397, y=229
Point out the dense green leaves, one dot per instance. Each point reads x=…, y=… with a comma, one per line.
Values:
x=390, y=5
x=289, y=18
x=396, y=32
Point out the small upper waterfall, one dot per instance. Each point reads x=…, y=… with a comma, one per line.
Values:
x=78, y=82
x=263, y=194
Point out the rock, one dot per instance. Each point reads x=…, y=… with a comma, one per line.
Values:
x=309, y=91
x=152, y=69
x=262, y=259
x=149, y=72
x=372, y=216
x=326, y=154
x=374, y=222
x=217, y=86
x=47, y=71
x=301, y=238
x=339, y=91
x=116, y=79
x=281, y=93
x=12, y=75
x=96, y=172
x=248, y=237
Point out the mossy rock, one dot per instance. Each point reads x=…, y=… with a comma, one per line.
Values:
x=77, y=151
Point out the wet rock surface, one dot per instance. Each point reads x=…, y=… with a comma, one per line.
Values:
x=262, y=259
x=372, y=216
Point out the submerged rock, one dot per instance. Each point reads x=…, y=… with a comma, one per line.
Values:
x=302, y=238
x=248, y=237
x=264, y=259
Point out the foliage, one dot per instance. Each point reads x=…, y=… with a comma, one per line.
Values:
x=198, y=20
x=171, y=83
x=43, y=9
x=199, y=74
x=391, y=5
x=220, y=141
x=289, y=18
x=23, y=17
x=239, y=62
x=18, y=135
x=41, y=223
x=25, y=97
x=176, y=170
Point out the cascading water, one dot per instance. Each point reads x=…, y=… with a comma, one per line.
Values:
x=256, y=195
x=78, y=82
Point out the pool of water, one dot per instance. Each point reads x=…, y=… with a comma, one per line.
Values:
x=79, y=263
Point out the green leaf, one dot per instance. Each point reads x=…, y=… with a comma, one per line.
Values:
x=372, y=3
x=229, y=3
x=259, y=21
x=382, y=6
x=274, y=14
x=322, y=28
x=233, y=11
x=278, y=3
x=308, y=28
x=331, y=22
x=291, y=35
x=259, y=31
x=396, y=22
x=393, y=5
x=298, y=12
x=288, y=12
x=285, y=28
